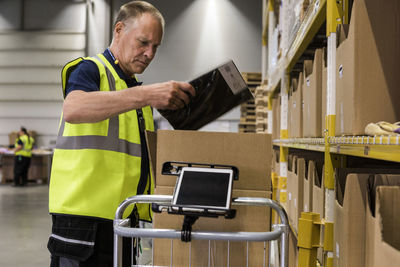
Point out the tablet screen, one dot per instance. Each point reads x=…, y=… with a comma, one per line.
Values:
x=205, y=188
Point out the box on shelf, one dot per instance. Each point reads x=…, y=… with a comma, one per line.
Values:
x=316, y=177
x=249, y=152
x=383, y=237
x=276, y=117
x=275, y=160
x=296, y=172
x=248, y=218
x=312, y=95
x=350, y=205
x=367, y=61
x=295, y=109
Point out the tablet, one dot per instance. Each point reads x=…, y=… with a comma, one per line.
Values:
x=203, y=188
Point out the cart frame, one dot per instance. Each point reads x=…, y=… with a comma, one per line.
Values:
x=121, y=228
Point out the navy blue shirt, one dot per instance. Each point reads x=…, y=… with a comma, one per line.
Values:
x=86, y=76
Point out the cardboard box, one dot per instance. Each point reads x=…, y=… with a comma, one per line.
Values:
x=312, y=95
x=367, y=61
x=251, y=153
x=307, y=190
x=296, y=172
x=350, y=221
x=316, y=177
x=383, y=235
x=248, y=218
x=295, y=123
x=276, y=116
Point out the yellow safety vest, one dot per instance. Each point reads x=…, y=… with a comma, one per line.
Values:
x=27, y=144
x=97, y=165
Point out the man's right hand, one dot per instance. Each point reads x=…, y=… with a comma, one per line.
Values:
x=170, y=95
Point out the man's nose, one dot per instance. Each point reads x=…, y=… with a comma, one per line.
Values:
x=150, y=52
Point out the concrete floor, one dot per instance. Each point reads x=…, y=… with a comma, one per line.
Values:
x=25, y=226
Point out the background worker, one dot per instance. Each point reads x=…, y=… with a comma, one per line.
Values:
x=101, y=155
x=23, y=155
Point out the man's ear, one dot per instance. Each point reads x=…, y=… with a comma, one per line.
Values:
x=119, y=27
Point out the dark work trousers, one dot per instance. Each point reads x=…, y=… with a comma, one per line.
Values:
x=78, y=241
x=21, y=167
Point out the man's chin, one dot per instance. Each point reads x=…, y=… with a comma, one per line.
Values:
x=139, y=70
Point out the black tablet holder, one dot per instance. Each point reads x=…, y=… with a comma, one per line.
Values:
x=191, y=215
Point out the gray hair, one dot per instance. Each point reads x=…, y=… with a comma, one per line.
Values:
x=135, y=9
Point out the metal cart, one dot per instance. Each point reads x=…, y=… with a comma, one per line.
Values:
x=121, y=229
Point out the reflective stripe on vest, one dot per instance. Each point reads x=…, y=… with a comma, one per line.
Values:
x=27, y=144
x=97, y=165
x=110, y=142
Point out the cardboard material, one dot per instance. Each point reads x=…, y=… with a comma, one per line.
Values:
x=367, y=60
x=312, y=95
x=383, y=235
x=296, y=172
x=248, y=218
x=249, y=152
x=307, y=190
x=315, y=174
x=293, y=250
x=316, y=177
x=295, y=123
x=276, y=113
x=350, y=219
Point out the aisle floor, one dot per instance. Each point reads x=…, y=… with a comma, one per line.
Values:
x=25, y=225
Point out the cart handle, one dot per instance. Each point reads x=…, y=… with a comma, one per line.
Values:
x=280, y=230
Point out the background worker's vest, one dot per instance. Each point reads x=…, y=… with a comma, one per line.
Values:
x=97, y=165
x=27, y=144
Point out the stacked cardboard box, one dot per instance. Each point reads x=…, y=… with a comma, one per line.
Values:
x=367, y=60
x=251, y=153
x=261, y=109
x=248, y=110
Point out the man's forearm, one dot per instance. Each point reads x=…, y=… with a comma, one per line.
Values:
x=88, y=107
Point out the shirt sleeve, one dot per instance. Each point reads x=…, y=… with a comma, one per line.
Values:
x=84, y=77
x=20, y=142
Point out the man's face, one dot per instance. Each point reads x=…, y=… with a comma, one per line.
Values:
x=137, y=42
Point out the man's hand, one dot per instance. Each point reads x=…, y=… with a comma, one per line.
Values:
x=169, y=95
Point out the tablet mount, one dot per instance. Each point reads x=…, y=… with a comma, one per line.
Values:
x=191, y=215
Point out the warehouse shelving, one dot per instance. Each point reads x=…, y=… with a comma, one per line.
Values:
x=374, y=147
x=385, y=148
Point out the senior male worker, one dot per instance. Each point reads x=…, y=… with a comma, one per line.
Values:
x=101, y=156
